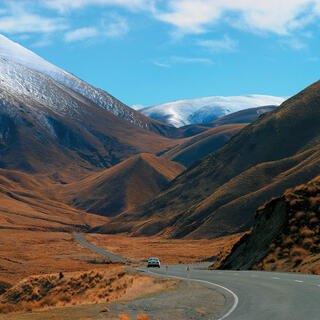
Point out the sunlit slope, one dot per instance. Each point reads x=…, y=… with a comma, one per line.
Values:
x=122, y=187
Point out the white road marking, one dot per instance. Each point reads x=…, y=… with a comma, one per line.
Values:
x=298, y=280
x=276, y=278
x=235, y=297
x=236, y=274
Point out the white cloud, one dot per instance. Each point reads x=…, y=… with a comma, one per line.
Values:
x=65, y=5
x=42, y=43
x=80, y=34
x=162, y=64
x=224, y=44
x=116, y=28
x=190, y=60
x=16, y=19
x=293, y=43
x=277, y=16
x=24, y=23
x=168, y=62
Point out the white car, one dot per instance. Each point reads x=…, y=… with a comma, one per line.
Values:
x=153, y=262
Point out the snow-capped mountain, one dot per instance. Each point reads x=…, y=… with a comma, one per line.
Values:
x=184, y=112
x=47, y=127
x=14, y=52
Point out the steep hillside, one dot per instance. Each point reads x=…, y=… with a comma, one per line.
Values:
x=14, y=52
x=285, y=235
x=203, y=110
x=219, y=195
x=122, y=187
x=46, y=127
x=192, y=149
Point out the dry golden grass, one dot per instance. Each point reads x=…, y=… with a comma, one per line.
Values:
x=298, y=247
x=73, y=288
x=169, y=251
x=142, y=316
x=24, y=253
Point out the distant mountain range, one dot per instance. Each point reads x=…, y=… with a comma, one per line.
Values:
x=184, y=112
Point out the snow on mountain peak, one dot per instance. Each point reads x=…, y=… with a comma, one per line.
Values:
x=14, y=52
x=184, y=112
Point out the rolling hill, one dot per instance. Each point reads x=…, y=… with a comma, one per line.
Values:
x=285, y=235
x=219, y=195
x=28, y=203
x=122, y=187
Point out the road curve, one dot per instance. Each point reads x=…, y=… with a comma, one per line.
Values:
x=262, y=295
x=89, y=245
x=250, y=295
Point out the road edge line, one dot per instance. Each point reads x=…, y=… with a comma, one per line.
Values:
x=235, y=297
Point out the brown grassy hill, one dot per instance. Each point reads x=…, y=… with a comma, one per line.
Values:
x=285, y=235
x=220, y=194
x=27, y=203
x=192, y=149
x=122, y=187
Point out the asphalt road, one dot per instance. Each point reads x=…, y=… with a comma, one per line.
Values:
x=252, y=295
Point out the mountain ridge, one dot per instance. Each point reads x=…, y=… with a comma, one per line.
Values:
x=219, y=194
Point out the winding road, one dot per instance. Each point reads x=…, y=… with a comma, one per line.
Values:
x=251, y=295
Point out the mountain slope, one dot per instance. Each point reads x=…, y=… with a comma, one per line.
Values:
x=202, y=110
x=124, y=186
x=27, y=203
x=196, y=147
x=219, y=194
x=285, y=235
x=14, y=52
x=47, y=127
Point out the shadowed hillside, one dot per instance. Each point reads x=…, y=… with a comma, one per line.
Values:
x=219, y=195
x=122, y=187
x=285, y=235
x=192, y=149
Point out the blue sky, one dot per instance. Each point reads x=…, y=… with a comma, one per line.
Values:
x=153, y=51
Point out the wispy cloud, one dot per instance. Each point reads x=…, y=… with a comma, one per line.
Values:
x=276, y=16
x=292, y=43
x=44, y=42
x=162, y=64
x=168, y=62
x=118, y=27
x=80, y=34
x=218, y=45
x=66, y=5
x=27, y=22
